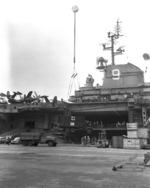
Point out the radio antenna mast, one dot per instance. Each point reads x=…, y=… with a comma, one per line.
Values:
x=75, y=9
x=113, y=37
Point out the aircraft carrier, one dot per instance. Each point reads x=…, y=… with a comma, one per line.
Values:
x=123, y=98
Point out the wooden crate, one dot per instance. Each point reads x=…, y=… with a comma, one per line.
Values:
x=132, y=134
x=132, y=126
x=134, y=143
x=143, y=133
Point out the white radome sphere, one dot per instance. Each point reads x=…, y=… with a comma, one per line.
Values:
x=75, y=9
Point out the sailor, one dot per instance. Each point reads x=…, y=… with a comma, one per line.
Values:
x=94, y=140
x=83, y=141
x=8, y=141
x=88, y=140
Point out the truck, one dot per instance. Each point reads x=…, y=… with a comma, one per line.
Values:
x=71, y=123
x=35, y=138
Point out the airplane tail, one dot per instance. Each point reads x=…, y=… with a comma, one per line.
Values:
x=8, y=93
x=36, y=94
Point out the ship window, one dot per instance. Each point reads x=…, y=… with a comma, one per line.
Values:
x=72, y=118
x=116, y=74
x=72, y=123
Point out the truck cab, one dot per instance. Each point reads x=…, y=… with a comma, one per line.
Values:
x=50, y=140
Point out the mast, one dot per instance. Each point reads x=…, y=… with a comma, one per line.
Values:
x=113, y=37
x=112, y=50
x=102, y=62
x=75, y=9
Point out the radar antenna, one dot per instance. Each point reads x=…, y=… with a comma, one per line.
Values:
x=146, y=56
x=113, y=37
x=118, y=28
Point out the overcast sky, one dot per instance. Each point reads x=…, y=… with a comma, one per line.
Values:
x=36, y=41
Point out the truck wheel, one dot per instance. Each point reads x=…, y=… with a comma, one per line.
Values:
x=36, y=144
x=30, y=143
x=54, y=144
x=89, y=131
x=72, y=130
x=50, y=143
x=24, y=143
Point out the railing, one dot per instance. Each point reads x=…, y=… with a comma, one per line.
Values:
x=102, y=125
x=14, y=108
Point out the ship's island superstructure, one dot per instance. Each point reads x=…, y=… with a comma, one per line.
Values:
x=123, y=97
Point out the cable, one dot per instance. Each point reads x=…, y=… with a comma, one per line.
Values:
x=72, y=84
